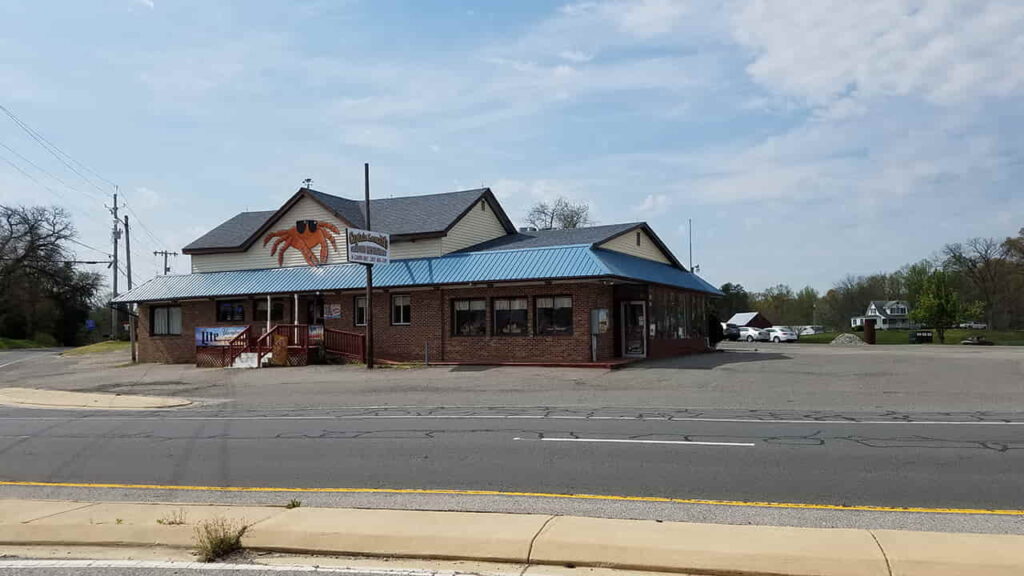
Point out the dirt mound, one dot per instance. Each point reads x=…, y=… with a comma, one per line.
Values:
x=847, y=339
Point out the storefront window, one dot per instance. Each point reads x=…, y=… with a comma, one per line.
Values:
x=510, y=316
x=360, y=314
x=401, y=308
x=469, y=317
x=276, y=310
x=231, y=311
x=165, y=321
x=554, y=315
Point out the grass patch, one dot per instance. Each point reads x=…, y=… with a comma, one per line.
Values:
x=293, y=503
x=954, y=336
x=13, y=344
x=217, y=538
x=99, y=348
x=175, y=518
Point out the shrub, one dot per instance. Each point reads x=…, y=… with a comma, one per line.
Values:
x=217, y=537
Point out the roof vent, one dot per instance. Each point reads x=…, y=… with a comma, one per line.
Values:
x=527, y=228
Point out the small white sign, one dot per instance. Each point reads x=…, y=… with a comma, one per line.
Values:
x=368, y=247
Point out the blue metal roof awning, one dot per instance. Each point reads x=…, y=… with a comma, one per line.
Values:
x=559, y=262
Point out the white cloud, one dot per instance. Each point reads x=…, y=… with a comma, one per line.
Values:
x=836, y=54
x=575, y=56
x=147, y=3
x=653, y=203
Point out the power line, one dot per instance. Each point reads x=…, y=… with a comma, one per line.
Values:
x=84, y=245
x=144, y=227
x=56, y=151
x=48, y=173
x=33, y=178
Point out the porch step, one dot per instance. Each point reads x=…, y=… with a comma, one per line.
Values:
x=245, y=360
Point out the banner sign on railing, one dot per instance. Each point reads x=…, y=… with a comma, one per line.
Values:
x=217, y=335
x=368, y=247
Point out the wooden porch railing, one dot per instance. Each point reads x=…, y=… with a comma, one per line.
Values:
x=297, y=336
x=224, y=356
x=350, y=344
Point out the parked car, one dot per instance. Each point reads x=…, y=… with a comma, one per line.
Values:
x=751, y=334
x=812, y=330
x=975, y=325
x=781, y=334
x=977, y=341
x=730, y=332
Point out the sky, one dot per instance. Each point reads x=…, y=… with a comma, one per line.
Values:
x=805, y=140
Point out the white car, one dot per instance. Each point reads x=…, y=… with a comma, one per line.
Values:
x=812, y=330
x=750, y=334
x=781, y=334
x=974, y=325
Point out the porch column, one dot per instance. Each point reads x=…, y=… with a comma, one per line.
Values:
x=268, y=312
x=295, y=309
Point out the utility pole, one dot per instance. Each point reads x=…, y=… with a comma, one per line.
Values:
x=128, y=252
x=131, y=307
x=165, y=254
x=689, y=226
x=115, y=236
x=369, y=277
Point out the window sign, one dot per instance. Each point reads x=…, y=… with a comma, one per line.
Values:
x=367, y=247
x=332, y=311
x=217, y=335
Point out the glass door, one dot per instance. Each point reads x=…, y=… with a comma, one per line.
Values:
x=634, y=322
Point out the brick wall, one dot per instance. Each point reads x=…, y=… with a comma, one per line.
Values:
x=431, y=320
x=182, y=349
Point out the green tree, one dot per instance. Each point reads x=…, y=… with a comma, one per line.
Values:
x=736, y=299
x=939, y=304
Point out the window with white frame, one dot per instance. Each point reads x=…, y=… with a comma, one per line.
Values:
x=165, y=321
x=401, y=308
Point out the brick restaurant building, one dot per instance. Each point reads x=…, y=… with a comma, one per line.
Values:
x=463, y=285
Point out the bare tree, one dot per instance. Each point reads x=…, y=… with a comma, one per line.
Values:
x=559, y=214
x=32, y=239
x=982, y=261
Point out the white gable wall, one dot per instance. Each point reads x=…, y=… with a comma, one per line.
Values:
x=626, y=244
x=476, y=226
x=423, y=248
x=258, y=255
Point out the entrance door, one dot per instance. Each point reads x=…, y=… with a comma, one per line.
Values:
x=634, y=323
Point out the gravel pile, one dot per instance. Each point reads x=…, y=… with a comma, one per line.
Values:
x=848, y=340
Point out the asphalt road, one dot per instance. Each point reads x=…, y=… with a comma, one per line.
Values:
x=19, y=355
x=938, y=461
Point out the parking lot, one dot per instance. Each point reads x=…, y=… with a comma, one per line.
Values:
x=761, y=376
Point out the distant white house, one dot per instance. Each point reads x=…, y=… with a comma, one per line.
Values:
x=888, y=315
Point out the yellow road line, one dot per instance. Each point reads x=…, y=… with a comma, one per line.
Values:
x=529, y=494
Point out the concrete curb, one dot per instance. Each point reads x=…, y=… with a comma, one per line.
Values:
x=63, y=399
x=525, y=539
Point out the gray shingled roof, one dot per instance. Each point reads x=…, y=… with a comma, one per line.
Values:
x=234, y=232
x=544, y=238
x=406, y=215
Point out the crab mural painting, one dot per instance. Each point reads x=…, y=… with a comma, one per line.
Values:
x=304, y=237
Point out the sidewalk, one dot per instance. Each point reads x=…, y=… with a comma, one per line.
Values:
x=522, y=539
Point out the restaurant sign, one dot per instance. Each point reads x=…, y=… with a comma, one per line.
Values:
x=366, y=247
